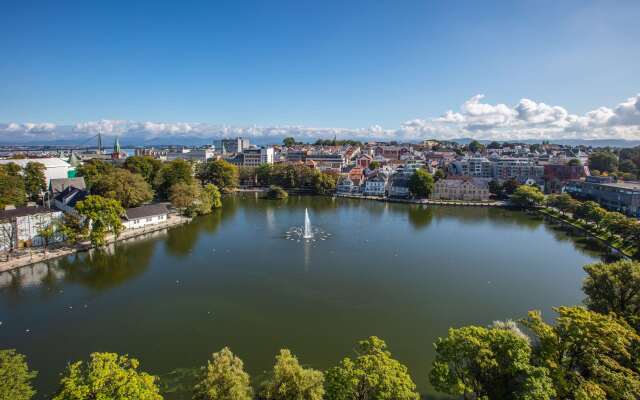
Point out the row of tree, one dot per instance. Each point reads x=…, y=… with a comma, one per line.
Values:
x=589, y=353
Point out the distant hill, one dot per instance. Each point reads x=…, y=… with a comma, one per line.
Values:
x=570, y=142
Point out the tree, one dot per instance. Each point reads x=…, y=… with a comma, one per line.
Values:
x=590, y=211
x=290, y=381
x=439, y=174
x=12, y=190
x=421, y=183
x=288, y=142
x=475, y=146
x=374, y=165
x=510, y=186
x=34, y=180
x=93, y=170
x=172, y=172
x=603, y=161
x=494, y=145
x=628, y=166
x=107, y=376
x=489, y=363
x=574, y=162
x=101, y=217
x=223, y=378
x=526, y=196
x=184, y=196
x=563, y=202
x=47, y=233
x=374, y=374
x=72, y=229
x=212, y=193
x=323, y=183
x=496, y=188
x=219, y=172
x=15, y=376
x=130, y=189
x=146, y=166
x=589, y=355
x=615, y=223
x=614, y=288
x=276, y=193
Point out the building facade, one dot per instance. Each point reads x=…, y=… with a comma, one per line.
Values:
x=472, y=189
x=623, y=197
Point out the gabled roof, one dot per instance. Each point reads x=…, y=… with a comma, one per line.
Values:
x=145, y=211
x=23, y=211
x=70, y=196
x=59, y=184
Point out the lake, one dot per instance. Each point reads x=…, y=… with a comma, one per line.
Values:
x=405, y=273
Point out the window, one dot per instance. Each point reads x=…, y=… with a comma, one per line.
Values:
x=149, y=219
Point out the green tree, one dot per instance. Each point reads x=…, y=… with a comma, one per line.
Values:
x=47, y=233
x=290, y=381
x=374, y=374
x=510, y=186
x=323, y=183
x=101, y=217
x=276, y=193
x=93, y=170
x=496, y=188
x=614, y=288
x=563, y=202
x=527, y=196
x=628, y=166
x=494, y=145
x=34, y=180
x=185, y=196
x=12, y=190
x=172, y=172
x=374, y=165
x=288, y=142
x=488, y=363
x=590, y=211
x=421, y=183
x=130, y=189
x=107, y=376
x=475, y=146
x=574, y=162
x=15, y=376
x=223, y=378
x=72, y=229
x=146, y=166
x=439, y=174
x=212, y=193
x=219, y=172
x=589, y=355
x=603, y=161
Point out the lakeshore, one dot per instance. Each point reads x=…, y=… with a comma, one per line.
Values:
x=36, y=255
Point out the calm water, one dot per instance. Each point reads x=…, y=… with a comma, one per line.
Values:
x=404, y=273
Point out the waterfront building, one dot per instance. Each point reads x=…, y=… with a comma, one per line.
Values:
x=147, y=215
x=345, y=185
x=67, y=199
x=465, y=189
x=20, y=227
x=376, y=185
x=623, y=197
x=399, y=185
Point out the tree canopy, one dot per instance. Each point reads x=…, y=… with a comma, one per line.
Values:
x=614, y=288
x=290, y=381
x=107, y=376
x=603, y=161
x=421, y=183
x=15, y=376
x=172, y=172
x=130, y=189
x=374, y=374
x=34, y=180
x=102, y=217
x=12, y=190
x=527, y=196
x=588, y=355
x=219, y=172
x=223, y=378
x=488, y=363
x=146, y=166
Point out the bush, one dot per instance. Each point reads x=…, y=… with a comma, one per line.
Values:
x=276, y=193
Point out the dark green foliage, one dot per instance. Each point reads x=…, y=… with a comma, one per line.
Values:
x=172, y=172
x=421, y=183
x=603, y=161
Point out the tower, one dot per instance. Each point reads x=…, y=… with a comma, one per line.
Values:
x=99, y=143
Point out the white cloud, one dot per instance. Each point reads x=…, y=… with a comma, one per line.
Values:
x=476, y=118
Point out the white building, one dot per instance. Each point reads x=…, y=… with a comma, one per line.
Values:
x=147, y=215
x=20, y=227
x=55, y=168
x=375, y=185
x=255, y=156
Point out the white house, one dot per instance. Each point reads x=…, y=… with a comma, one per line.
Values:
x=55, y=168
x=19, y=227
x=376, y=185
x=140, y=217
x=66, y=200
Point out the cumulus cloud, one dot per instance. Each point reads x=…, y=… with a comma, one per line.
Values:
x=475, y=118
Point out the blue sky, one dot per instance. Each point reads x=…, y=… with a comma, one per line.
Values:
x=331, y=64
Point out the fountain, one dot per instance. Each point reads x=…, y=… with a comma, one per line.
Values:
x=308, y=233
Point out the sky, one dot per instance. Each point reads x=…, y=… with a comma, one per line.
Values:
x=378, y=69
